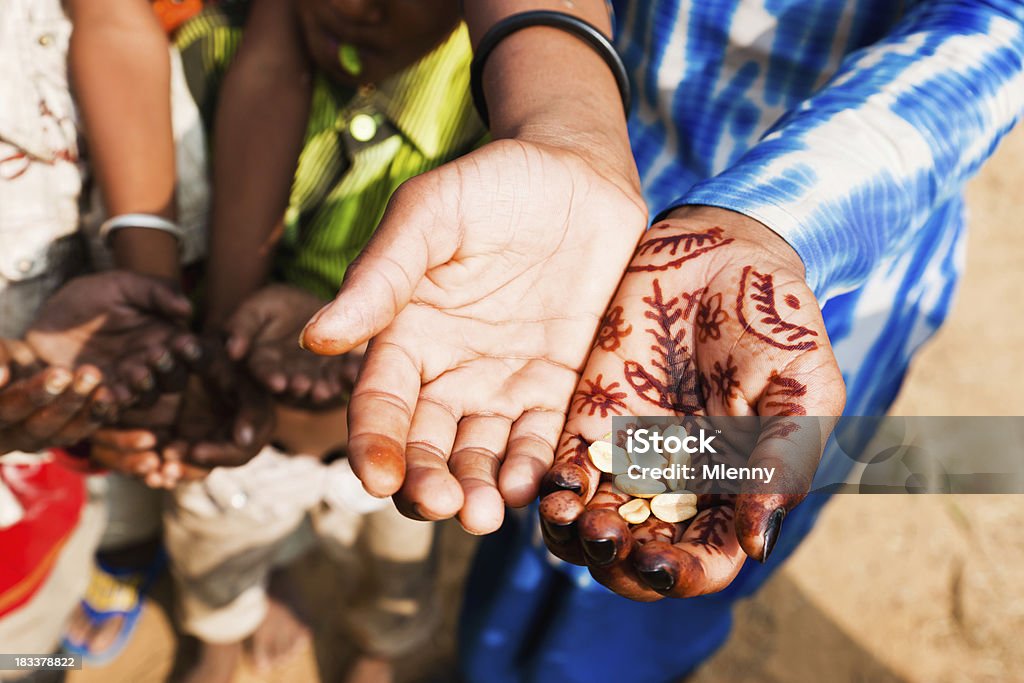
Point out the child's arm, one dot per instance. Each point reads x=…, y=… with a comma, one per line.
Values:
x=121, y=70
x=259, y=128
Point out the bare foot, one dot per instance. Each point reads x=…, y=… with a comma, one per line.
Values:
x=371, y=670
x=216, y=663
x=96, y=639
x=283, y=631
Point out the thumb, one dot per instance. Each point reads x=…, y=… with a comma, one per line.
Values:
x=413, y=236
x=796, y=421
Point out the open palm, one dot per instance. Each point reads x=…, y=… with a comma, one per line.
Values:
x=482, y=289
x=713, y=317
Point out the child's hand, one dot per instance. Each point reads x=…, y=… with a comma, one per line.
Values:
x=225, y=419
x=130, y=326
x=44, y=406
x=263, y=335
x=133, y=446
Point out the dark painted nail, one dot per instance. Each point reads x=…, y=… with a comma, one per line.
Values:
x=771, y=534
x=558, y=481
x=600, y=552
x=658, y=579
x=559, y=533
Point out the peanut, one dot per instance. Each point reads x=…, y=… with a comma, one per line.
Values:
x=635, y=511
x=674, y=507
x=608, y=458
x=641, y=488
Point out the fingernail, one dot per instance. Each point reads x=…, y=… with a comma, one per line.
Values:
x=245, y=435
x=191, y=351
x=164, y=362
x=567, y=478
x=57, y=381
x=658, y=579
x=600, y=552
x=86, y=382
x=146, y=383
x=771, y=534
x=559, y=533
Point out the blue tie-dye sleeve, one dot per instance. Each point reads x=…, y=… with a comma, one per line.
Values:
x=863, y=163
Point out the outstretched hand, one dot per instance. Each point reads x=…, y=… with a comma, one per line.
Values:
x=482, y=290
x=42, y=406
x=261, y=337
x=713, y=317
x=131, y=327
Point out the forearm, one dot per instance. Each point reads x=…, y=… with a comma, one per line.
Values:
x=546, y=85
x=120, y=65
x=865, y=162
x=252, y=181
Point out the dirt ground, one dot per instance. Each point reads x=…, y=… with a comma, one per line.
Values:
x=922, y=589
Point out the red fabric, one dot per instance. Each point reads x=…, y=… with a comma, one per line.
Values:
x=174, y=13
x=52, y=497
x=76, y=458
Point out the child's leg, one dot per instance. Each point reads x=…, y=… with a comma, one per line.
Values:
x=394, y=609
x=223, y=536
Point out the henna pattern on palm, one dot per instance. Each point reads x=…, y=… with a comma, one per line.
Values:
x=711, y=529
x=723, y=379
x=780, y=430
x=692, y=244
x=613, y=330
x=671, y=381
x=710, y=317
x=783, y=391
x=759, y=288
x=598, y=398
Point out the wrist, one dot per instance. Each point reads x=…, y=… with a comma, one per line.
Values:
x=147, y=252
x=744, y=230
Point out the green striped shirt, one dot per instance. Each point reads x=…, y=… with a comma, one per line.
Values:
x=359, y=146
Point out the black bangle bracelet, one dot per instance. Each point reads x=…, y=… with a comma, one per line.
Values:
x=565, y=22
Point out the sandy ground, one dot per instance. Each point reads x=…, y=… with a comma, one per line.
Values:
x=891, y=588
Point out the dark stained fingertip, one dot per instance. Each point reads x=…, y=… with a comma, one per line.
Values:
x=566, y=477
x=600, y=552
x=771, y=533
x=658, y=579
x=560, y=533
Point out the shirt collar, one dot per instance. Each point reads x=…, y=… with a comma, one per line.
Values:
x=436, y=88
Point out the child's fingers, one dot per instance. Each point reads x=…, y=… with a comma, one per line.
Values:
x=21, y=399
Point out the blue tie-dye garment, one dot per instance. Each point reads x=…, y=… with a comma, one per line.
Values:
x=847, y=126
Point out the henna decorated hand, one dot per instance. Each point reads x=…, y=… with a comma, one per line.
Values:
x=130, y=326
x=262, y=334
x=713, y=317
x=482, y=289
x=43, y=406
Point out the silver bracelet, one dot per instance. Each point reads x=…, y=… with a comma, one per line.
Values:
x=146, y=221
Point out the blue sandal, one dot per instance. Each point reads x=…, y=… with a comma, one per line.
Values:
x=114, y=592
